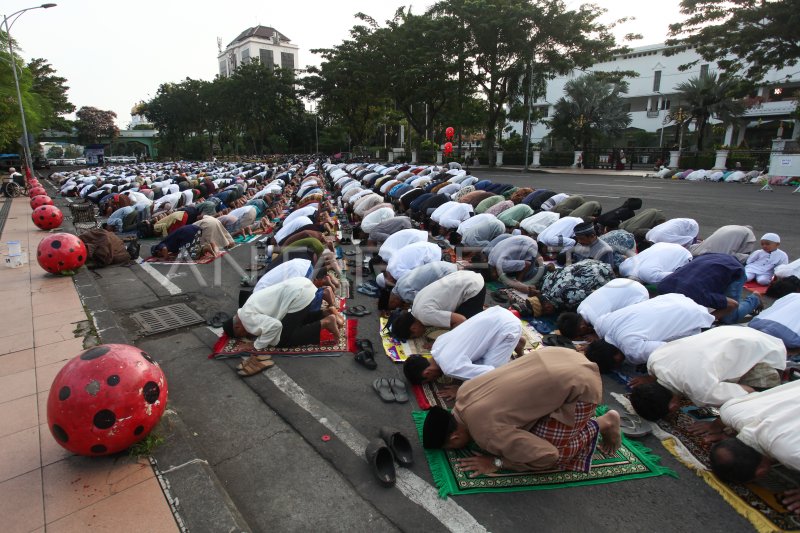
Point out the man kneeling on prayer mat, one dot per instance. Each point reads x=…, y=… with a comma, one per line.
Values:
x=482, y=343
x=286, y=314
x=532, y=414
x=767, y=430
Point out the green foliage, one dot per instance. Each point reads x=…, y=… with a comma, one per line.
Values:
x=592, y=109
x=143, y=127
x=55, y=152
x=743, y=36
x=71, y=151
x=429, y=146
x=704, y=97
x=93, y=124
x=146, y=446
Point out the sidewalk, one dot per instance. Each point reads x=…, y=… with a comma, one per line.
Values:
x=43, y=487
x=565, y=170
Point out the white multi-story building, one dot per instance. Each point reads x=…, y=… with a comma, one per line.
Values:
x=267, y=45
x=652, y=94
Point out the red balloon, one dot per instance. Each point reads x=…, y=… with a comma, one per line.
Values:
x=61, y=253
x=41, y=200
x=106, y=399
x=449, y=132
x=47, y=217
x=448, y=147
x=36, y=191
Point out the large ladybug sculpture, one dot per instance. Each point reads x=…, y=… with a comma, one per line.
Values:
x=42, y=199
x=36, y=191
x=106, y=399
x=47, y=217
x=61, y=253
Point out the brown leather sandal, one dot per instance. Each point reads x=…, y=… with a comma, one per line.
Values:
x=253, y=366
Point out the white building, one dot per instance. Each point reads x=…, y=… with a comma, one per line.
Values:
x=652, y=93
x=265, y=44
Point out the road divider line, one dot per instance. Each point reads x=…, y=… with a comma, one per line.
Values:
x=452, y=516
x=161, y=279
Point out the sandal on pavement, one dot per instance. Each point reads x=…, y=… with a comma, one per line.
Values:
x=366, y=359
x=398, y=390
x=379, y=457
x=358, y=310
x=399, y=445
x=633, y=426
x=366, y=345
x=261, y=358
x=252, y=366
x=384, y=390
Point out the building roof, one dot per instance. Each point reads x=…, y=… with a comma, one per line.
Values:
x=261, y=32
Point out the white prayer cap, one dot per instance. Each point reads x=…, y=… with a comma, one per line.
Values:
x=772, y=237
x=516, y=232
x=380, y=279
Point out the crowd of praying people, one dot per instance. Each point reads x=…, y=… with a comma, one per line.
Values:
x=627, y=288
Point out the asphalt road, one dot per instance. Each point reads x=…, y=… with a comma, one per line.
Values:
x=263, y=436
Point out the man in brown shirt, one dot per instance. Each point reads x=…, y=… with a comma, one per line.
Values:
x=534, y=413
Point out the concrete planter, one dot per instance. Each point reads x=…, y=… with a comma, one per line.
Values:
x=413, y=157
x=578, y=158
x=499, y=160
x=438, y=157
x=721, y=161
x=537, y=155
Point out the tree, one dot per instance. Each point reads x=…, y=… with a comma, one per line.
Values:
x=93, y=123
x=504, y=39
x=742, y=36
x=592, y=108
x=53, y=91
x=707, y=96
x=55, y=152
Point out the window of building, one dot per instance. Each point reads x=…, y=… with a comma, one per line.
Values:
x=287, y=60
x=245, y=56
x=233, y=61
x=704, y=70
x=267, y=58
x=223, y=68
x=656, y=81
x=665, y=104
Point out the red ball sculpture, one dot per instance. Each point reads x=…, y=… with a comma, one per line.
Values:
x=47, y=216
x=106, y=399
x=36, y=191
x=448, y=148
x=449, y=132
x=61, y=253
x=34, y=183
x=41, y=200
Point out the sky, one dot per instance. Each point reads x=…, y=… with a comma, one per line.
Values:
x=115, y=53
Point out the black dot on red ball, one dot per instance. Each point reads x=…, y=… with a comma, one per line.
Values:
x=72, y=250
x=104, y=419
x=80, y=258
x=151, y=391
x=59, y=433
x=99, y=448
x=113, y=380
x=148, y=358
x=94, y=353
x=41, y=217
x=64, y=393
x=56, y=244
x=138, y=430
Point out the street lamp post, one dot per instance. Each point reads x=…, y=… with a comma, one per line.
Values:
x=25, y=143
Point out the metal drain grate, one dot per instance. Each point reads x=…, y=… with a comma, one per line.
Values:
x=166, y=318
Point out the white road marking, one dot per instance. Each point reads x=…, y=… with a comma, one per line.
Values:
x=626, y=186
x=454, y=517
x=161, y=279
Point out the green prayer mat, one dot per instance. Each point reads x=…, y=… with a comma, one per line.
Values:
x=247, y=238
x=631, y=461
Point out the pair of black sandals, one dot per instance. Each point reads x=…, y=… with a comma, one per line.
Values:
x=381, y=454
x=365, y=356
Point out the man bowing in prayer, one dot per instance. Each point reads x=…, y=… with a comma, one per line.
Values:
x=532, y=414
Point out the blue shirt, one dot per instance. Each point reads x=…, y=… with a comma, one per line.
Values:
x=705, y=279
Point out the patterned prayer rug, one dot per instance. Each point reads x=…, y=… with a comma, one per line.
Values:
x=399, y=351
x=247, y=238
x=631, y=461
x=226, y=348
x=758, y=501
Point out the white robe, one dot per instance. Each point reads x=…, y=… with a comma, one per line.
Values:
x=705, y=367
x=376, y=217
x=261, y=315
x=655, y=263
x=410, y=257
x=400, y=239
x=559, y=233
x=535, y=224
x=612, y=296
x=290, y=227
x=295, y=268
x=480, y=344
x=792, y=269
x=767, y=421
x=639, y=329
x=681, y=231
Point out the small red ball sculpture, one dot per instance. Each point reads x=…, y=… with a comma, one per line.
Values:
x=33, y=183
x=41, y=200
x=61, y=253
x=36, y=191
x=106, y=399
x=47, y=216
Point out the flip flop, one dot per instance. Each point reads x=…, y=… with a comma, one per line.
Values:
x=366, y=359
x=384, y=390
x=398, y=390
x=261, y=358
x=633, y=426
x=358, y=310
x=252, y=366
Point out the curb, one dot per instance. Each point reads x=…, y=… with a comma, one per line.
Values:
x=209, y=506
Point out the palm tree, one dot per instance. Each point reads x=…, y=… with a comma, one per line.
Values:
x=709, y=96
x=592, y=108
